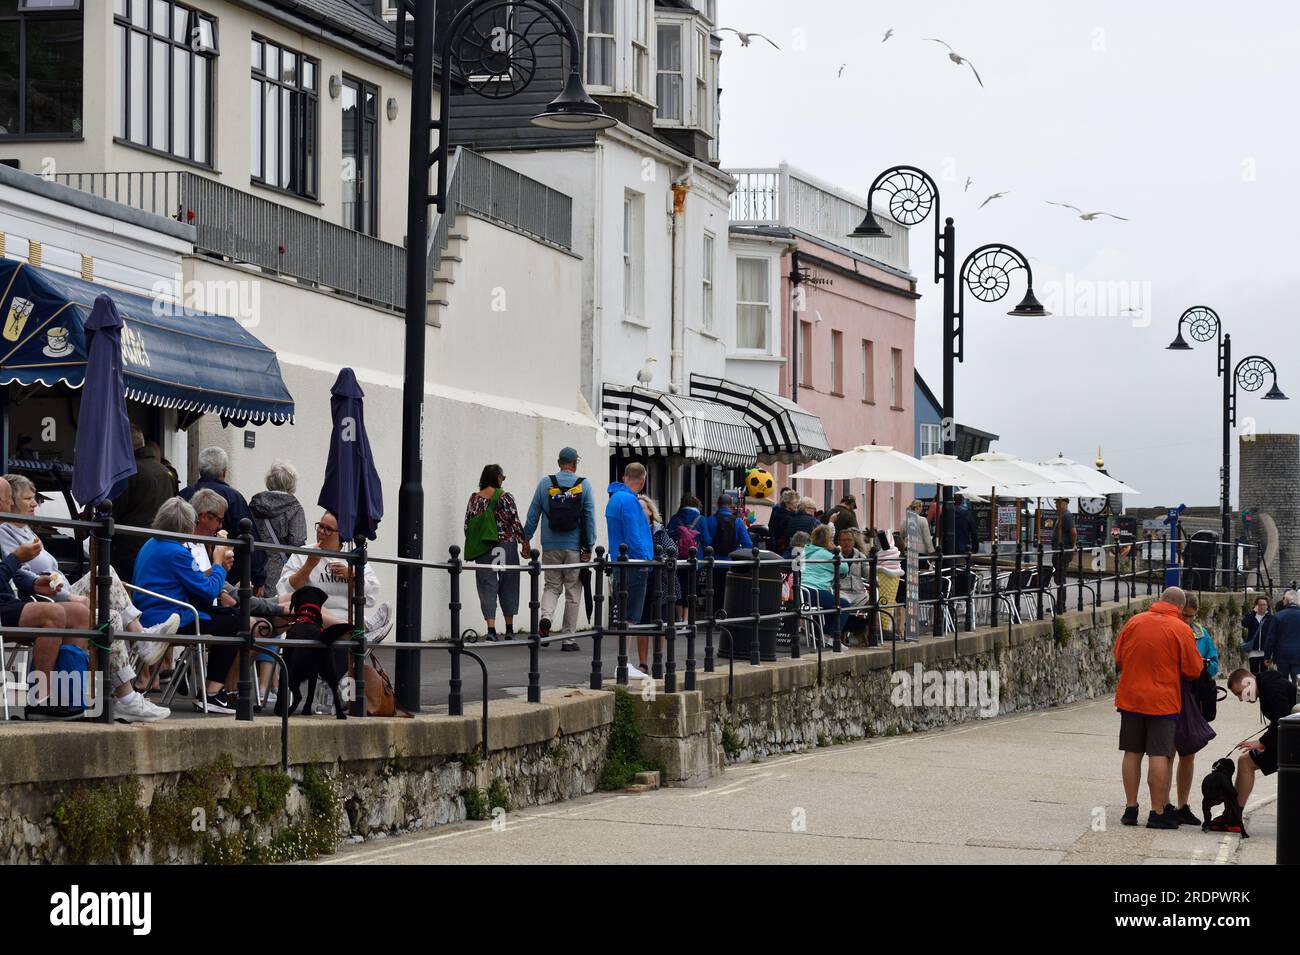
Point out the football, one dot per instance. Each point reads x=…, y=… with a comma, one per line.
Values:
x=759, y=483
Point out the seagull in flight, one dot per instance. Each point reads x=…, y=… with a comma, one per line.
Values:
x=957, y=58
x=746, y=38
x=1085, y=216
x=888, y=34
x=969, y=180
x=840, y=72
x=996, y=195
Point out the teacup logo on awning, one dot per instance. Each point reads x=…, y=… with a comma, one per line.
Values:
x=133, y=350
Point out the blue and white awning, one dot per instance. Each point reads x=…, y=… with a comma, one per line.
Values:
x=662, y=424
x=784, y=431
x=172, y=357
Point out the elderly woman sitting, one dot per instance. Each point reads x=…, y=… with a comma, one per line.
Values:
x=169, y=568
x=817, y=572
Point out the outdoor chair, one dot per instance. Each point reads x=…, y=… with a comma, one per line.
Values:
x=814, y=626
x=191, y=661
x=15, y=659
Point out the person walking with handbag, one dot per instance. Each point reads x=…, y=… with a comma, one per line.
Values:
x=494, y=539
x=1193, y=732
x=564, y=507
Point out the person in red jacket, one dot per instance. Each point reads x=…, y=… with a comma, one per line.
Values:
x=1153, y=653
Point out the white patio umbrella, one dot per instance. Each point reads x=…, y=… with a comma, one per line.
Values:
x=1025, y=480
x=872, y=462
x=1101, y=484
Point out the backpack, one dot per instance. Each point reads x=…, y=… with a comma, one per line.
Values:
x=725, y=537
x=686, y=538
x=564, y=512
x=481, y=533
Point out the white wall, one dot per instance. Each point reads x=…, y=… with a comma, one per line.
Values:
x=598, y=178
x=501, y=388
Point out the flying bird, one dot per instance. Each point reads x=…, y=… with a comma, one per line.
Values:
x=969, y=180
x=1085, y=216
x=996, y=195
x=840, y=72
x=888, y=34
x=958, y=58
x=746, y=38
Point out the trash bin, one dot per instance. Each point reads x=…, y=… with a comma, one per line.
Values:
x=738, y=627
x=1173, y=576
x=1201, y=559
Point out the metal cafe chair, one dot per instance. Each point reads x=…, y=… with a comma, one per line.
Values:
x=814, y=626
x=191, y=662
x=15, y=659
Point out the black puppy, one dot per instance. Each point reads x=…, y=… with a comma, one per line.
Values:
x=309, y=663
x=1217, y=788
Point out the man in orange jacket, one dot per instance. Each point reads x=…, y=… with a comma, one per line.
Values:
x=1154, y=652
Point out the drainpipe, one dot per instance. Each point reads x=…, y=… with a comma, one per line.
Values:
x=678, y=314
x=796, y=280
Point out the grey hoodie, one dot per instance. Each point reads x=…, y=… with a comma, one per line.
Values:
x=280, y=520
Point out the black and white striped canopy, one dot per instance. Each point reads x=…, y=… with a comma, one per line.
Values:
x=784, y=431
x=661, y=424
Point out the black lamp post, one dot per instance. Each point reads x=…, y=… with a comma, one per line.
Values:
x=913, y=195
x=1202, y=324
x=490, y=46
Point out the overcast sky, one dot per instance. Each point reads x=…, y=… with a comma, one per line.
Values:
x=1179, y=116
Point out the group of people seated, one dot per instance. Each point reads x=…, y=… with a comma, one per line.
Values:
x=185, y=588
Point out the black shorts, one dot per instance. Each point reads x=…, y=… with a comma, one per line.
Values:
x=1266, y=761
x=1152, y=735
x=11, y=613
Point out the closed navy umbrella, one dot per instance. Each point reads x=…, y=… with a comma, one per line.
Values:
x=351, y=492
x=104, y=459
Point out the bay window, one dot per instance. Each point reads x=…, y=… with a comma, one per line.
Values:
x=753, y=303
x=669, y=74
x=165, y=54
x=40, y=69
x=602, y=47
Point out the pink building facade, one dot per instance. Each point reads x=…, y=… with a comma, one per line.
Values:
x=849, y=309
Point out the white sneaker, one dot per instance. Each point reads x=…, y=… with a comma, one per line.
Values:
x=379, y=624
x=151, y=651
x=139, y=710
x=633, y=673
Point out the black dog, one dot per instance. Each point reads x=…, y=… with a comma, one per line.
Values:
x=1217, y=788
x=309, y=663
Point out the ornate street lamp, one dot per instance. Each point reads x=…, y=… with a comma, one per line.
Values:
x=1202, y=324
x=491, y=47
x=914, y=195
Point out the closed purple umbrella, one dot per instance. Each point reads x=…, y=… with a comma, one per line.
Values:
x=104, y=459
x=351, y=492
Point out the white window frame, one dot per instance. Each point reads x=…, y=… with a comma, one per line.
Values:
x=706, y=282
x=766, y=347
x=868, y=371
x=684, y=74
x=931, y=438
x=638, y=82
x=612, y=38
x=700, y=88
x=634, y=257
x=837, y=361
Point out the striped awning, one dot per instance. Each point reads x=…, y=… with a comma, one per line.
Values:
x=785, y=432
x=662, y=424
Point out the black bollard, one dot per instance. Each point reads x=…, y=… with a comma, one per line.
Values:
x=597, y=607
x=455, y=698
x=1288, y=790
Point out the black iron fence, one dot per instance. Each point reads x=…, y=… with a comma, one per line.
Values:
x=750, y=606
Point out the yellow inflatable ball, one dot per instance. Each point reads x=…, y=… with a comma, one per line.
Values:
x=759, y=483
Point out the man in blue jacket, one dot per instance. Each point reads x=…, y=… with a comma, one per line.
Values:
x=966, y=534
x=565, y=507
x=626, y=523
x=725, y=531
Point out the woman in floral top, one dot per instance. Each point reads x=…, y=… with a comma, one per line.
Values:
x=505, y=550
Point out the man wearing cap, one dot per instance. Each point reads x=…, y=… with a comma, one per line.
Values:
x=564, y=506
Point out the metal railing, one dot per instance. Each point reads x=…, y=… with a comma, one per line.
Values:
x=727, y=605
x=244, y=227
x=786, y=197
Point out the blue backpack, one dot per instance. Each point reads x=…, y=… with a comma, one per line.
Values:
x=70, y=678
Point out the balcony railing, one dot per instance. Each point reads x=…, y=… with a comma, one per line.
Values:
x=244, y=227
x=787, y=198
